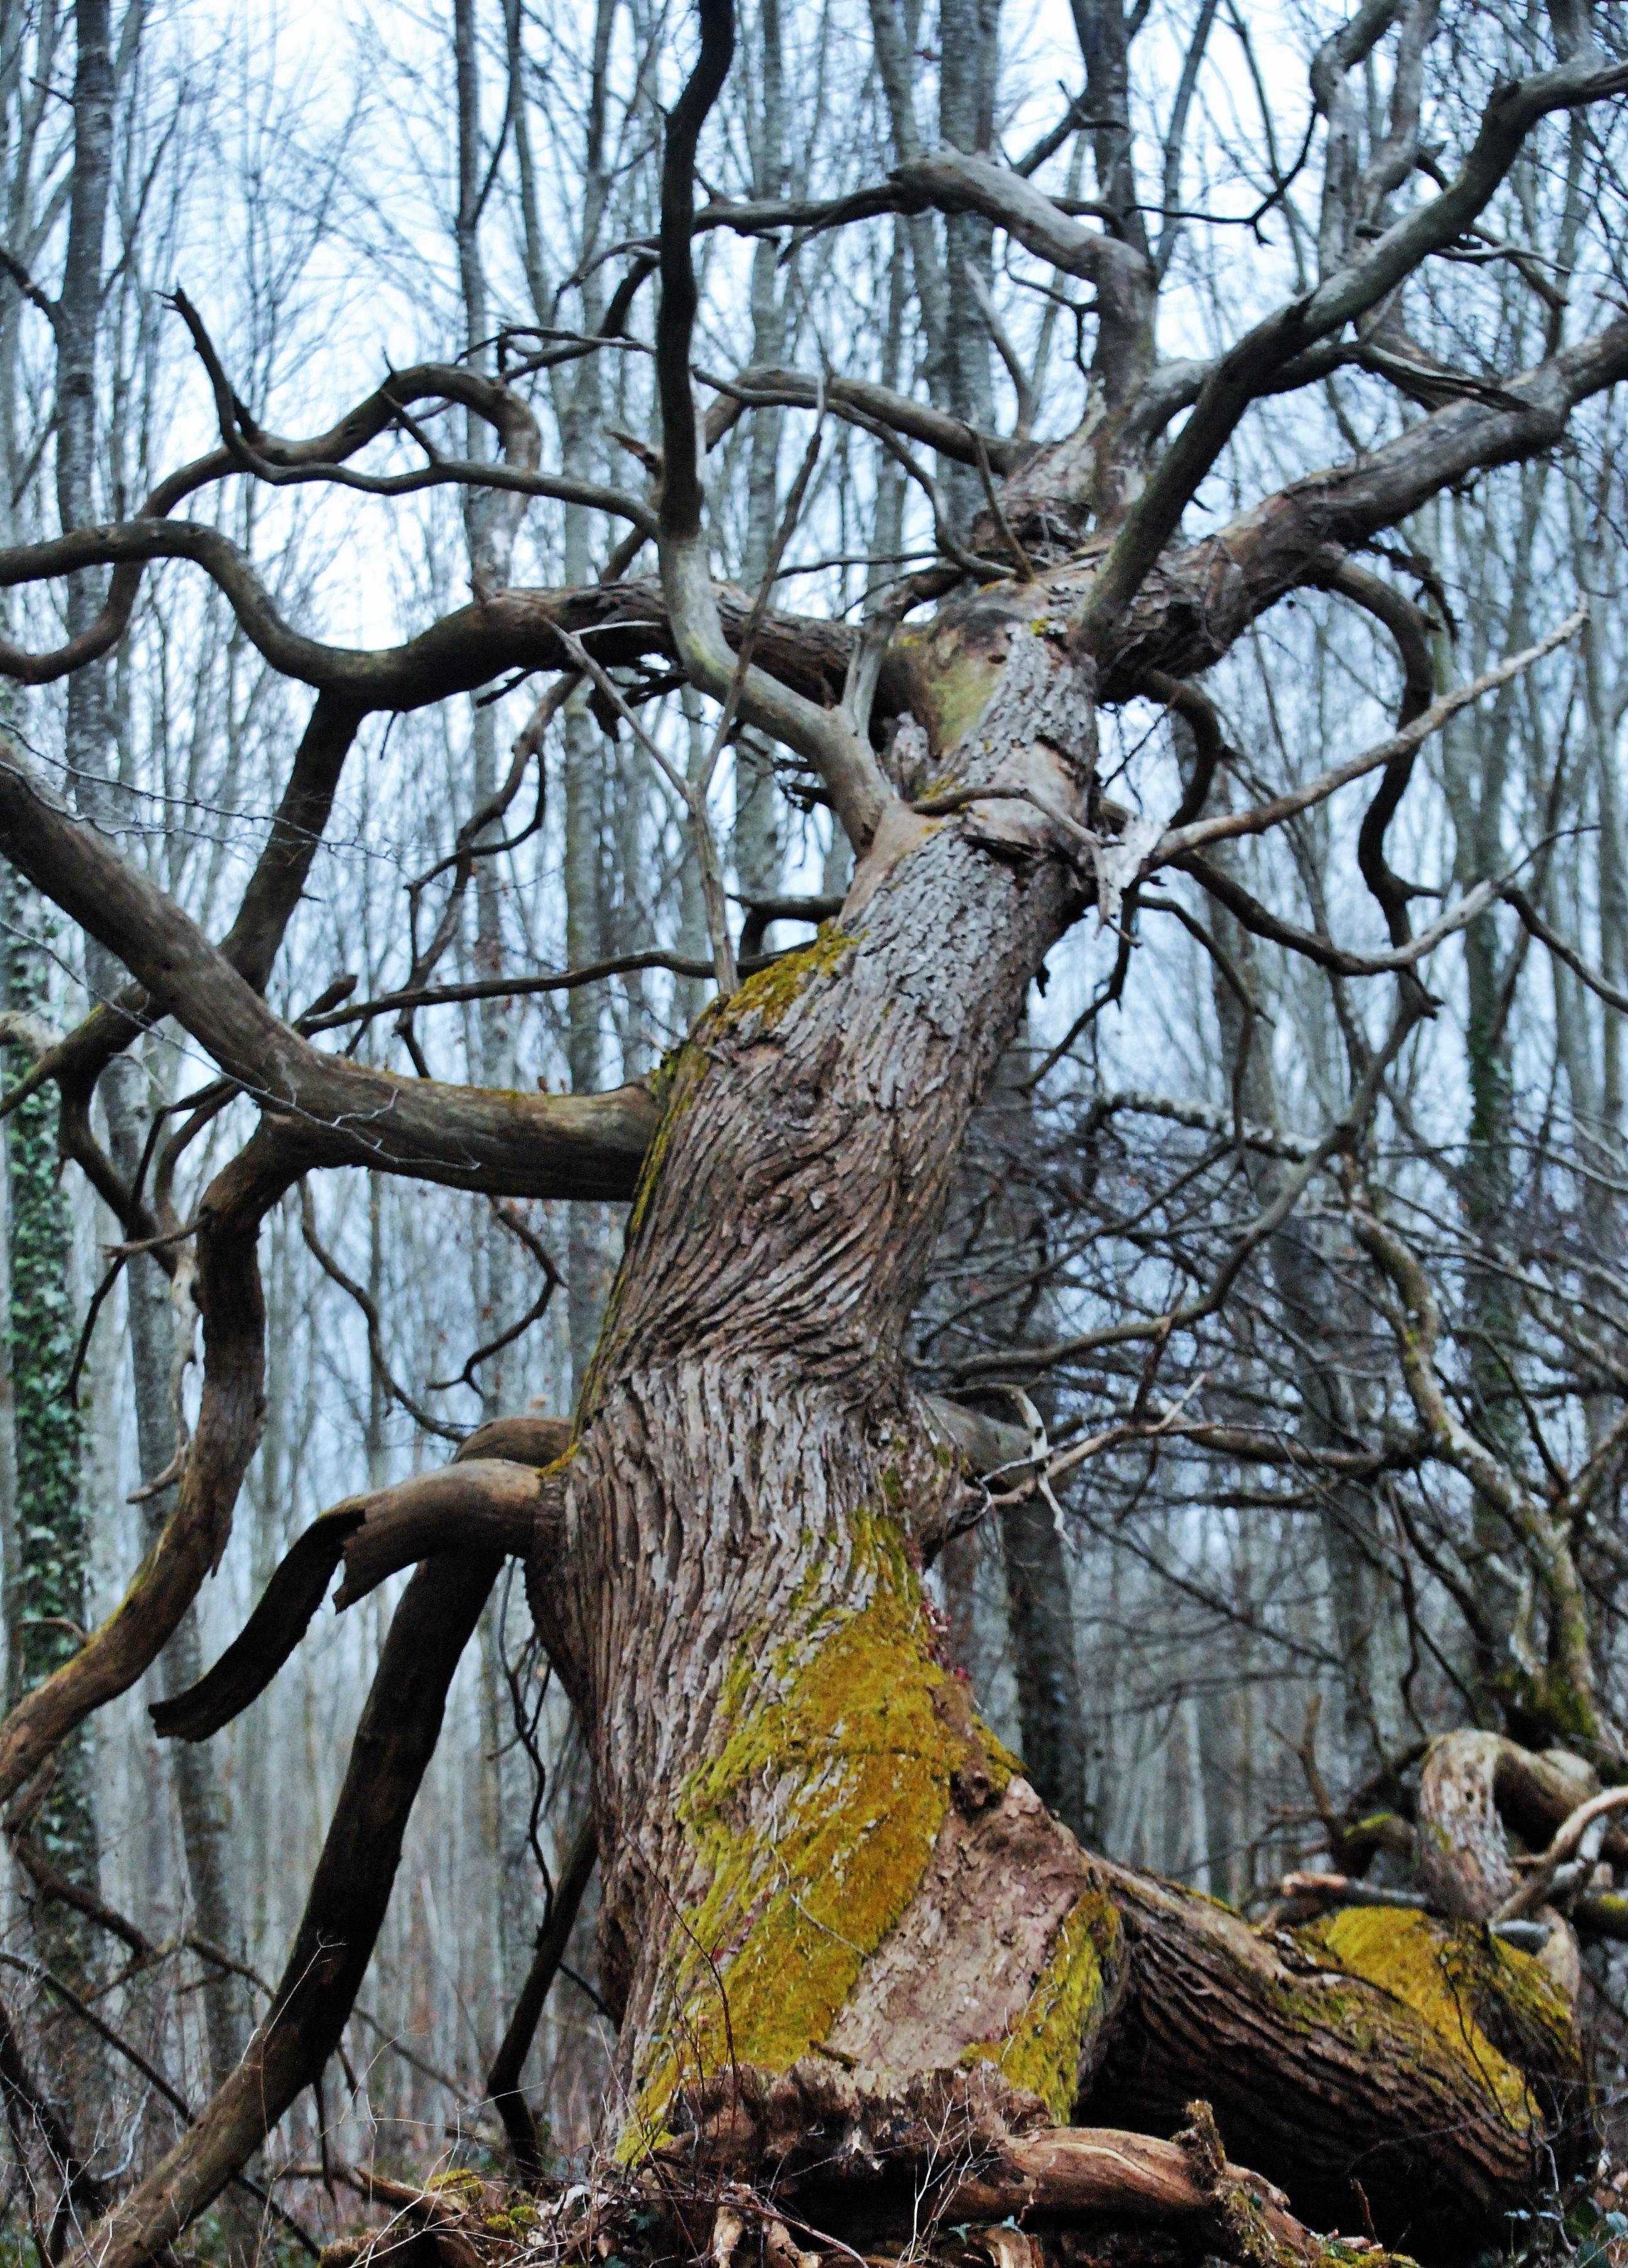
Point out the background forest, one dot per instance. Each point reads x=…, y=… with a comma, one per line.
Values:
x=1225, y=1634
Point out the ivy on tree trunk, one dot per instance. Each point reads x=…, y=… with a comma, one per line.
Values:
x=47, y=1610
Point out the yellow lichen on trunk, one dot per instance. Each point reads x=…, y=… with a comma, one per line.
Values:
x=769, y=992
x=814, y=1821
x=1471, y=1990
x=1041, y=2051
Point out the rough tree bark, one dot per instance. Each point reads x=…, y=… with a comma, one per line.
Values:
x=846, y=1941
x=826, y=1889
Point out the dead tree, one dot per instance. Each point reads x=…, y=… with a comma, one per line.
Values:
x=847, y=1946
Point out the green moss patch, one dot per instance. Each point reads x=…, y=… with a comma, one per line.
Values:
x=1464, y=1986
x=675, y=1088
x=769, y=992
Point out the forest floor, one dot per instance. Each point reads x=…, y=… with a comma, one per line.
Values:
x=609, y=2218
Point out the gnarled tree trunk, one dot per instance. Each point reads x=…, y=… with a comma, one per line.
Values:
x=845, y=1940
x=833, y=1906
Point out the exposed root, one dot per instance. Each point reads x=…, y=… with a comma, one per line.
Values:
x=984, y=2196
x=880, y=2158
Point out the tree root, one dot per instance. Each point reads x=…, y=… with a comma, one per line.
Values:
x=954, y=2183
x=884, y=2156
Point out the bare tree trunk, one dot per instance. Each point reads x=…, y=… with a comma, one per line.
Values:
x=895, y=30
x=969, y=64
x=491, y=522
x=580, y=401
x=1362, y=1611
x=997, y=1232
x=584, y=1256
x=1040, y=1604
x=199, y=1799
x=91, y=755
x=1509, y=1669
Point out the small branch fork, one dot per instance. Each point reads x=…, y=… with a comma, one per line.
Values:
x=394, y=1743
x=1565, y=1867
x=281, y=464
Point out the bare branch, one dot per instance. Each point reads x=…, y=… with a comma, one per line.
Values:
x=521, y=478
x=1240, y=375
x=1229, y=826
x=871, y=405
x=1573, y=1852
x=1192, y=63
x=503, y=2081
x=508, y=1217
x=349, y=1894
x=229, y=1417
x=1340, y=1138
x=363, y=1299
x=508, y=1144
x=1410, y=631
x=843, y=757
x=492, y=1496
x=1548, y=935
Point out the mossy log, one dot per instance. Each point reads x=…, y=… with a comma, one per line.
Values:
x=1417, y=2058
